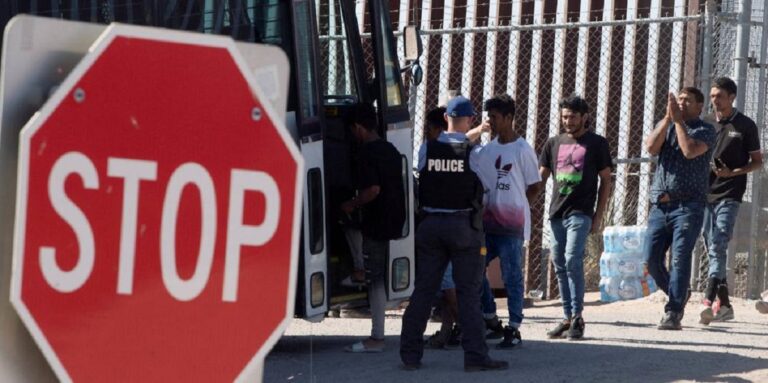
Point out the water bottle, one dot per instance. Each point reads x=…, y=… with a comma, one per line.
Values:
x=630, y=265
x=631, y=241
x=606, y=261
x=641, y=231
x=615, y=242
x=652, y=287
x=609, y=289
x=646, y=289
x=608, y=239
x=649, y=281
x=630, y=288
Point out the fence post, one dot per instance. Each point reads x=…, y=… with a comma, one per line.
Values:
x=757, y=260
x=706, y=30
x=706, y=48
x=742, y=51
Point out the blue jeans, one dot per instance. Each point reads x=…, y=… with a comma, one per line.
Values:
x=569, y=236
x=719, y=219
x=509, y=250
x=675, y=226
x=487, y=300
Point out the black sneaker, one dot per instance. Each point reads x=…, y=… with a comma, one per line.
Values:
x=454, y=340
x=670, y=321
x=488, y=365
x=437, y=341
x=494, y=329
x=511, y=338
x=560, y=330
x=577, y=328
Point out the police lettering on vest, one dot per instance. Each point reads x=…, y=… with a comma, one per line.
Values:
x=447, y=182
x=443, y=165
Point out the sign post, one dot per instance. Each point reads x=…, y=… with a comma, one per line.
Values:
x=157, y=214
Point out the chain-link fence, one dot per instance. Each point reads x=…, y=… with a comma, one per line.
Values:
x=622, y=61
x=622, y=68
x=747, y=275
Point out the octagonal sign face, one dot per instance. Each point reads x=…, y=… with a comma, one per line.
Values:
x=157, y=219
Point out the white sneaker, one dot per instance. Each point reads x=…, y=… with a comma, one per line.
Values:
x=706, y=315
x=725, y=313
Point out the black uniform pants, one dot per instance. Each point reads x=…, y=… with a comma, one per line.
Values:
x=441, y=238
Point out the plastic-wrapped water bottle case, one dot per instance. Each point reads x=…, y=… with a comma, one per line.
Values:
x=623, y=271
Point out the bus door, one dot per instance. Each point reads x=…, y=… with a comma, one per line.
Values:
x=342, y=85
x=312, y=298
x=393, y=114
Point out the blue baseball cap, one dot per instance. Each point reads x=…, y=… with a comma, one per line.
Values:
x=460, y=106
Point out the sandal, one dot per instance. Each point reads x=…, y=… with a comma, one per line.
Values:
x=349, y=282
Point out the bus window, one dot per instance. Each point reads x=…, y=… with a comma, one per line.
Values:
x=392, y=92
x=406, y=175
x=337, y=77
x=393, y=106
x=315, y=211
x=306, y=64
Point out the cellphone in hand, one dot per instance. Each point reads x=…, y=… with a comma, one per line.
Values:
x=719, y=163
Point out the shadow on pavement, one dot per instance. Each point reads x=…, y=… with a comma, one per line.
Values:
x=712, y=328
x=556, y=303
x=535, y=361
x=675, y=343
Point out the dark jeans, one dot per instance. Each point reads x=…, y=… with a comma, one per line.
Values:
x=719, y=220
x=675, y=226
x=440, y=239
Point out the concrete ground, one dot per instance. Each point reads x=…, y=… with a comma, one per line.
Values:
x=621, y=344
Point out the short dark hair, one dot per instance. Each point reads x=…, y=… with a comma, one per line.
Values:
x=575, y=103
x=363, y=114
x=436, y=118
x=695, y=92
x=725, y=84
x=502, y=103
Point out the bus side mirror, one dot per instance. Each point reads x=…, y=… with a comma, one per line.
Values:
x=412, y=43
x=418, y=73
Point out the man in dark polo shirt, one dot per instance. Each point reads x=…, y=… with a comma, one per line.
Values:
x=684, y=145
x=736, y=153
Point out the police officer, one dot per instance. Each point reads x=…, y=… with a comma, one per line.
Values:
x=451, y=195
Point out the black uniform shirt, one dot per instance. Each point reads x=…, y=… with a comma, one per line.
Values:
x=737, y=137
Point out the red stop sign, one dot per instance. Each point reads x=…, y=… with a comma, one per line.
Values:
x=157, y=215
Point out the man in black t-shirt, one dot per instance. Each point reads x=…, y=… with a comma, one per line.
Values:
x=382, y=201
x=737, y=153
x=577, y=159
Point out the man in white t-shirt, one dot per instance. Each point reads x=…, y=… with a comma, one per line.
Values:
x=510, y=162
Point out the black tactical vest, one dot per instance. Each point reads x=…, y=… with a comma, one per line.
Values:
x=446, y=180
